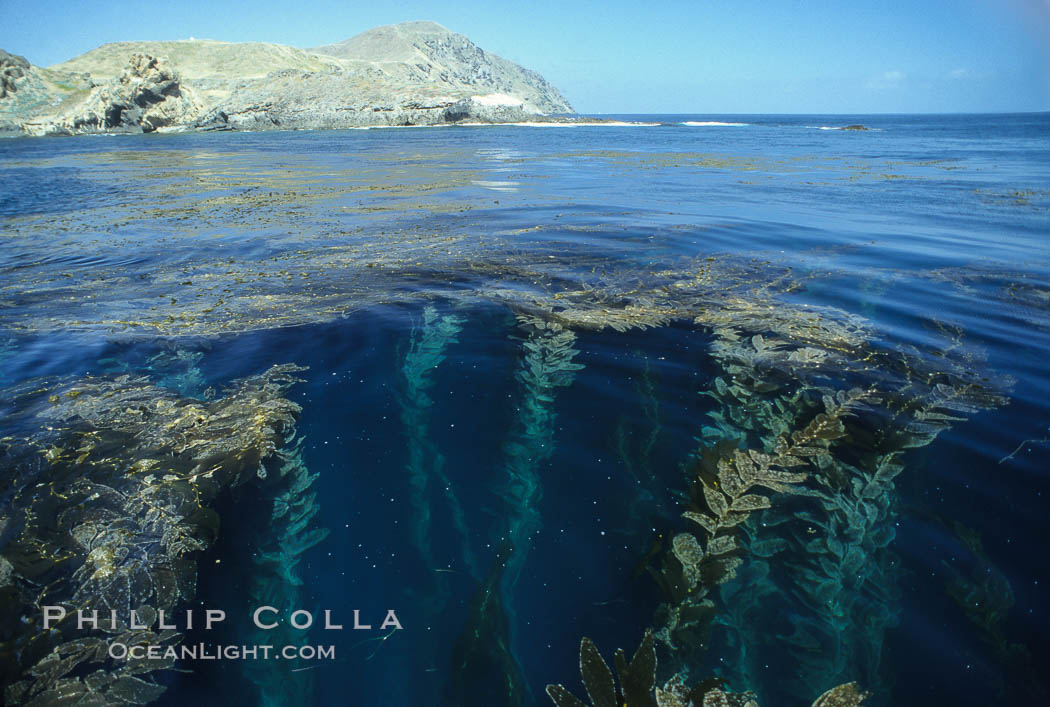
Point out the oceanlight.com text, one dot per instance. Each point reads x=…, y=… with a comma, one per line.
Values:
x=203, y=651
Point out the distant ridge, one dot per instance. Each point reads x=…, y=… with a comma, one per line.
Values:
x=387, y=43
x=450, y=58
x=197, y=58
x=415, y=73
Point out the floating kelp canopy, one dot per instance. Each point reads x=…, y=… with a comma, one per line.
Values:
x=205, y=242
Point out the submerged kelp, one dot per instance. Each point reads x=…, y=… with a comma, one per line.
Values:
x=425, y=462
x=109, y=489
x=745, y=287
x=546, y=366
x=636, y=685
x=808, y=405
x=483, y=668
x=983, y=593
x=787, y=420
x=287, y=531
x=173, y=367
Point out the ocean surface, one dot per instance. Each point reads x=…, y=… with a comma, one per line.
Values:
x=528, y=351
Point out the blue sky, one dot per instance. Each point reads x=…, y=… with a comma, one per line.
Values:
x=612, y=56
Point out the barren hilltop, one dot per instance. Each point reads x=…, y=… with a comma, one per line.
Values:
x=415, y=73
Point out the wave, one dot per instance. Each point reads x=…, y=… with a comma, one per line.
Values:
x=496, y=186
x=843, y=127
x=526, y=124
x=544, y=124
x=711, y=123
x=391, y=127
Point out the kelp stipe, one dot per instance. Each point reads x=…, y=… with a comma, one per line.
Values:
x=546, y=366
x=984, y=595
x=723, y=494
x=425, y=465
x=744, y=601
x=843, y=567
x=483, y=669
x=288, y=532
x=635, y=442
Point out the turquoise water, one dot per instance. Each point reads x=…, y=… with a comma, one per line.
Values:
x=518, y=341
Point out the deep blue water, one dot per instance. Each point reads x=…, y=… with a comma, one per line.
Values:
x=921, y=225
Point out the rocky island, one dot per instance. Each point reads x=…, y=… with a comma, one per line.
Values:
x=415, y=73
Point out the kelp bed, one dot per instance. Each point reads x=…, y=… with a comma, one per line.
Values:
x=109, y=492
x=111, y=484
x=789, y=498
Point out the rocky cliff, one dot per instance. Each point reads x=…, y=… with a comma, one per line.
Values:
x=416, y=73
x=146, y=96
x=26, y=91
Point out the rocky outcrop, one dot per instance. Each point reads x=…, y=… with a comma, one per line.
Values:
x=12, y=68
x=416, y=73
x=25, y=91
x=146, y=96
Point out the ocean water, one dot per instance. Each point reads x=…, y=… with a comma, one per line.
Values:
x=528, y=352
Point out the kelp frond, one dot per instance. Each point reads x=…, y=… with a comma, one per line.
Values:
x=112, y=492
x=636, y=685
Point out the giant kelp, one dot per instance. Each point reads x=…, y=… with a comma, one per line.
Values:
x=546, y=366
x=808, y=407
x=983, y=593
x=811, y=422
x=791, y=491
x=483, y=669
x=239, y=239
x=637, y=685
x=109, y=486
x=426, y=463
x=174, y=367
x=286, y=532
x=634, y=445
x=791, y=494
x=202, y=281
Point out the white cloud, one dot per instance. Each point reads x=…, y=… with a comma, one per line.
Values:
x=886, y=80
x=969, y=74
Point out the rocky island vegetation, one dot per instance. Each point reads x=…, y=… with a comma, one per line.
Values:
x=415, y=73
